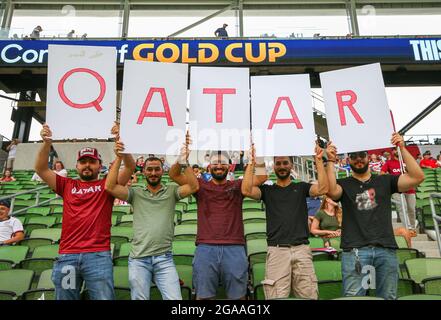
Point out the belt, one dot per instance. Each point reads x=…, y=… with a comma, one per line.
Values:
x=367, y=246
x=286, y=245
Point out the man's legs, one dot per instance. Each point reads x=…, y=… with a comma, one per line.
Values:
x=355, y=281
x=277, y=283
x=386, y=273
x=140, y=277
x=166, y=277
x=97, y=271
x=304, y=280
x=234, y=271
x=206, y=271
x=411, y=204
x=398, y=205
x=66, y=277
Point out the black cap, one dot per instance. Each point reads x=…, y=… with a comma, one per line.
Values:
x=5, y=202
x=427, y=152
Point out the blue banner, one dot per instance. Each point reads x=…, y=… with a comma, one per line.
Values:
x=241, y=52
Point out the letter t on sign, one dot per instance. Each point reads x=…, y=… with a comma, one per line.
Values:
x=219, y=99
x=348, y=103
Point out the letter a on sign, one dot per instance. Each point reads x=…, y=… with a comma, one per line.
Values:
x=357, y=112
x=153, y=107
x=81, y=91
x=282, y=117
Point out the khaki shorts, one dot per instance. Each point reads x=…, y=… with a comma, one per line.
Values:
x=290, y=268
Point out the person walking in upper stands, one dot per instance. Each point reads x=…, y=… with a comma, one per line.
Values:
x=35, y=35
x=392, y=167
x=70, y=35
x=289, y=258
x=220, y=253
x=222, y=32
x=85, y=237
x=12, y=149
x=367, y=238
x=153, y=225
x=11, y=229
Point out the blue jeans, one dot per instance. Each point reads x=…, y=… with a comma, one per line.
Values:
x=93, y=268
x=376, y=263
x=161, y=269
x=220, y=264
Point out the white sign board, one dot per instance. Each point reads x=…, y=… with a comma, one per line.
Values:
x=356, y=106
x=81, y=91
x=219, y=108
x=282, y=115
x=153, y=107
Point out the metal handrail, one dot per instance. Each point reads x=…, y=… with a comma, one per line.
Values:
x=436, y=218
x=37, y=199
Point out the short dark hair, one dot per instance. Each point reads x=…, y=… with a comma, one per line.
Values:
x=219, y=153
x=195, y=166
x=153, y=159
x=289, y=157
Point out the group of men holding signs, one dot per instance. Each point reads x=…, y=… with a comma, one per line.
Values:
x=282, y=102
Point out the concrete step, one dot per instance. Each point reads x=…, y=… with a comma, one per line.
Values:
x=432, y=253
x=424, y=245
x=421, y=237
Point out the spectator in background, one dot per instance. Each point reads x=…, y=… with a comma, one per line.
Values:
x=35, y=35
x=427, y=161
x=53, y=155
x=222, y=32
x=438, y=160
x=139, y=169
x=386, y=156
x=392, y=167
x=206, y=162
x=197, y=171
x=12, y=149
x=165, y=165
x=375, y=164
x=59, y=169
x=419, y=158
x=344, y=166
x=11, y=229
x=7, y=177
x=327, y=221
x=84, y=36
x=71, y=34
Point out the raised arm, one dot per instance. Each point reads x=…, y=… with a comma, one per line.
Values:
x=41, y=166
x=248, y=188
x=118, y=191
x=414, y=175
x=334, y=190
x=192, y=185
x=175, y=171
x=322, y=186
x=129, y=163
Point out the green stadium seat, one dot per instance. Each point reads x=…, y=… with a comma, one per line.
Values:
x=256, y=250
x=126, y=221
x=185, y=273
x=330, y=289
x=25, y=197
x=328, y=270
x=183, y=247
x=118, y=241
x=316, y=242
x=187, y=229
x=47, y=220
x=359, y=298
x=35, y=242
x=250, y=228
x=16, y=280
x=189, y=218
x=39, y=294
x=14, y=253
x=124, y=209
x=254, y=216
x=405, y=287
x=122, y=232
x=423, y=268
x=432, y=285
x=404, y=254
x=53, y=233
x=401, y=242
x=38, y=265
x=44, y=211
x=29, y=227
x=121, y=277
x=6, y=264
x=421, y=297
x=7, y=295
x=45, y=280
x=48, y=251
x=251, y=206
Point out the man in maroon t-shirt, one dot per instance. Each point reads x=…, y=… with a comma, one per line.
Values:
x=85, y=236
x=392, y=167
x=220, y=254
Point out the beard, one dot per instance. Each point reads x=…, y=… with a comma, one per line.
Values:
x=153, y=183
x=90, y=177
x=360, y=170
x=283, y=174
x=219, y=177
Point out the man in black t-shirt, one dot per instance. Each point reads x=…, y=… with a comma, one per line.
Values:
x=367, y=238
x=289, y=258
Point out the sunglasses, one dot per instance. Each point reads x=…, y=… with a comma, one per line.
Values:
x=355, y=155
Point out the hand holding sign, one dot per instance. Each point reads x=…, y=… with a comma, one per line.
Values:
x=397, y=140
x=331, y=152
x=46, y=133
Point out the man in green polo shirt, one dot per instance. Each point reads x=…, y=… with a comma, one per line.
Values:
x=153, y=225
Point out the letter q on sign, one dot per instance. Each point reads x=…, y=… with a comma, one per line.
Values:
x=94, y=103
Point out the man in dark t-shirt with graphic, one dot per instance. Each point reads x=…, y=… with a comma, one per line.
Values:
x=367, y=238
x=84, y=253
x=289, y=258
